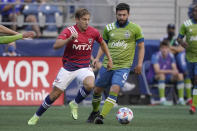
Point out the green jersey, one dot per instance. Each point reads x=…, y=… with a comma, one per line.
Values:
x=122, y=43
x=189, y=29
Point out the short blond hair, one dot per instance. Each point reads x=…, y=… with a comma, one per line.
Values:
x=81, y=12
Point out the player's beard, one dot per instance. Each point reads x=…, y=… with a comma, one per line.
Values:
x=122, y=22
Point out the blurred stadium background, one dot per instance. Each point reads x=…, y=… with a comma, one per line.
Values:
x=26, y=80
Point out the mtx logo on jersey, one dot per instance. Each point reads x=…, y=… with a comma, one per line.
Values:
x=82, y=47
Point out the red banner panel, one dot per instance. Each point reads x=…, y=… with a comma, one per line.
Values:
x=27, y=80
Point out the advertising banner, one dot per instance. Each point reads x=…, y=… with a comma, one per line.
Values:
x=27, y=80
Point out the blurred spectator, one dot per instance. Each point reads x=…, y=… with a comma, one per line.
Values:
x=179, y=53
x=163, y=70
x=10, y=50
x=8, y=12
x=190, y=8
x=31, y=15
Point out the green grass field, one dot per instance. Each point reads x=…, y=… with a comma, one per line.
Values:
x=146, y=118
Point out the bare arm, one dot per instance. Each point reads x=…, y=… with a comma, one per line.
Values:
x=104, y=49
x=100, y=53
x=6, y=30
x=60, y=43
x=159, y=71
x=138, y=68
x=182, y=43
x=176, y=49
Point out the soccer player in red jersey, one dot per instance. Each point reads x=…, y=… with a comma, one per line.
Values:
x=79, y=41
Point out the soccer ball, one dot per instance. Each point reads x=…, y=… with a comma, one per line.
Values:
x=124, y=115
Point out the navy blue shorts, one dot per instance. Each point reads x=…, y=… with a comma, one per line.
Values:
x=107, y=78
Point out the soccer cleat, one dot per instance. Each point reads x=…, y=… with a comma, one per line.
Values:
x=192, y=110
x=33, y=121
x=92, y=116
x=189, y=102
x=99, y=119
x=181, y=102
x=74, y=110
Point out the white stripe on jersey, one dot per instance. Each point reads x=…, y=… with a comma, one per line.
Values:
x=107, y=27
x=113, y=25
x=74, y=29
x=187, y=23
x=71, y=30
x=110, y=26
x=190, y=22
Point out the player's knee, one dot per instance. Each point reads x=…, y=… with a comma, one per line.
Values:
x=180, y=77
x=89, y=82
x=89, y=86
x=115, y=89
x=161, y=77
x=98, y=90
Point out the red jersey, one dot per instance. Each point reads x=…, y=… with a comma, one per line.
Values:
x=77, y=53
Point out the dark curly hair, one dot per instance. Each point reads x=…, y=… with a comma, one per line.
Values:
x=123, y=6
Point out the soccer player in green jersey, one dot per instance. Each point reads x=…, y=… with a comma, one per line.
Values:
x=13, y=35
x=121, y=37
x=189, y=29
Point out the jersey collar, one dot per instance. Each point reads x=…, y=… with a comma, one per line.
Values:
x=117, y=25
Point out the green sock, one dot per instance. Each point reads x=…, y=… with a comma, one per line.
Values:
x=194, y=100
x=161, y=86
x=180, y=87
x=109, y=103
x=188, y=87
x=96, y=100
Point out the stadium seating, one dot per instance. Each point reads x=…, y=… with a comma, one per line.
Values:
x=52, y=16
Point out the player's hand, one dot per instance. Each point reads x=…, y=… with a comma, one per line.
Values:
x=138, y=69
x=29, y=34
x=94, y=62
x=73, y=36
x=109, y=64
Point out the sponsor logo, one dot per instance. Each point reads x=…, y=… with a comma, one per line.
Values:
x=119, y=44
x=82, y=47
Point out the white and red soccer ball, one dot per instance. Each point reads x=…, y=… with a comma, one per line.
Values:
x=124, y=115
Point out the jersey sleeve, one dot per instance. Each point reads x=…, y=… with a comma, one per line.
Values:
x=64, y=34
x=98, y=37
x=139, y=35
